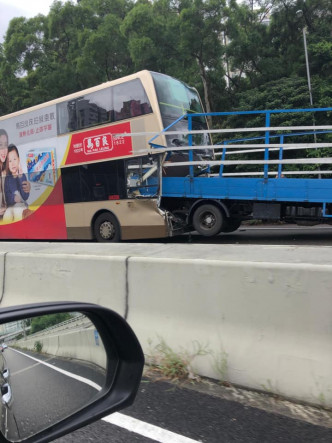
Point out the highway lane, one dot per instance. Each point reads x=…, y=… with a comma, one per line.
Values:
x=86, y=370
x=262, y=234
x=42, y=395
x=284, y=234
x=275, y=234
x=280, y=235
x=201, y=413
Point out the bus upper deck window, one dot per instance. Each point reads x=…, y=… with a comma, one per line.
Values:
x=85, y=111
x=94, y=109
x=130, y=100
x=120, y=102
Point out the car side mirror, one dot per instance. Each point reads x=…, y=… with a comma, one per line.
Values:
x=63, y=366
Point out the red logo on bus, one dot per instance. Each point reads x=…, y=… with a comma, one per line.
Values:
x=98, y=144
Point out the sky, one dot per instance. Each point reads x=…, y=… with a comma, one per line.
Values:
x=18, y=8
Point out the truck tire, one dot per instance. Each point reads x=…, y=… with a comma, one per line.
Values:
x=106, y=228
x=231, y=225
x=208, y=220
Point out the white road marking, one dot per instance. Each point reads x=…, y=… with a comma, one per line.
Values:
x=62, y=371
x=150, y=431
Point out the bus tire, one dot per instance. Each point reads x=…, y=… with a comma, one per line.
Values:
x=208, y=220
x=231, y=225
x=106, y=228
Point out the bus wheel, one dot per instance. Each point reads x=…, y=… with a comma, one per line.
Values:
x=106, y=228
x=231, y=225
x=208, y=220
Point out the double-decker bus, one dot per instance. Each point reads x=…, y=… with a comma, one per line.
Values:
x=68, y=170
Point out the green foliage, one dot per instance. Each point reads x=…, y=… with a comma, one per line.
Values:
x=172, y=365
x=175, y=365
x=220, y=365
x=239, y=55
x=46, y=321
x=38, y=346
x=19, y=336
x=104, y=56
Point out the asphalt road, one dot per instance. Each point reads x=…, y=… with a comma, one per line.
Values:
x=203, y=416
x=276, y=234
x=283, y=234
x=43, y=396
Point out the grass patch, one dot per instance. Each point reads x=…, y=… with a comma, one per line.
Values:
x=173, y=365
x=38, y=346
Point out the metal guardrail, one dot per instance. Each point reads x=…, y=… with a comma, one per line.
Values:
x=78, y=321
x=242, y=146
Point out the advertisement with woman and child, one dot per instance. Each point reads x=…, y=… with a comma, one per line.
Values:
x=25, y=178
x=31, y=156
x=29, y=187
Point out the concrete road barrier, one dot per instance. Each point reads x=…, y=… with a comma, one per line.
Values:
x=263, y=326
x=261, y=318
x=78, y=345
x=37, y=278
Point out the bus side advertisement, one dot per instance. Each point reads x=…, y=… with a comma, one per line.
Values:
x=31, y=155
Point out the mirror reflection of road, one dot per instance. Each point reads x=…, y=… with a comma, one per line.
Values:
x=42, y=395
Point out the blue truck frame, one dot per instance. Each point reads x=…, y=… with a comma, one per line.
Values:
x=297, y=200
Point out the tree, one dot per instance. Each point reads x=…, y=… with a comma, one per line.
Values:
x=201, y=26
x=250, y=51
x=22, y=53
x=147, y=29
x=256, y=45
x=46, y=321
x=104, y=54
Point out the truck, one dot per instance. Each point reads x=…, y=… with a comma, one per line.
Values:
x=279, y=172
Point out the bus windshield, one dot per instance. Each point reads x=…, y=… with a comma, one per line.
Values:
x=175, y=99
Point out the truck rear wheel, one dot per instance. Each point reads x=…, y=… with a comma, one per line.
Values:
x=208, y=220
x=231, y=225
x=106, y=228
